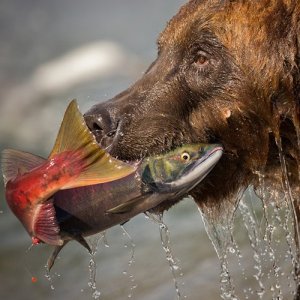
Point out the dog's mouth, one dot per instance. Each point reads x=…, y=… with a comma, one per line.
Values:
x=131, y=137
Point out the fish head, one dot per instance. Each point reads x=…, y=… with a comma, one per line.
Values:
x=182, y=168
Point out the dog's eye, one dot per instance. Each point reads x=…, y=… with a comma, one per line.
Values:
x=201, y=60
x=185, y=156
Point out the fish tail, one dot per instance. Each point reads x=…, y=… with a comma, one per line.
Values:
x=15, y=162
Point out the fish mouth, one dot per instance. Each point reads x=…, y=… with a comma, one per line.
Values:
x=194, y=174
x=203, y=166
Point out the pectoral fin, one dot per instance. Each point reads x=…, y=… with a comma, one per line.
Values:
x=45, y=225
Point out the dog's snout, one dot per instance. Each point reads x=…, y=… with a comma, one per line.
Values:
x=99, y=123
x=102, y=124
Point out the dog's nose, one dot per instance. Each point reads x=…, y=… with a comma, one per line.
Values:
x=102, y=124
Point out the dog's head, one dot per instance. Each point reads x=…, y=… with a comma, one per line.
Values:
x=225, y=72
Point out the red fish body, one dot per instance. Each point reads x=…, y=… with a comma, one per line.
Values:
x=42, y=182
x=26, y=192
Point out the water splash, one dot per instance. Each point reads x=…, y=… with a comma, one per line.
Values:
x=94, y=243
x=218, y=222
x=267, y=223
x=266, y=235
x=130, y=262
x=104, y=238
x=255, y=239
x=49, y=277
x=293, y=209
x=166, y=244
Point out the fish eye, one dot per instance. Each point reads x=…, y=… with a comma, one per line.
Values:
x=185, y=156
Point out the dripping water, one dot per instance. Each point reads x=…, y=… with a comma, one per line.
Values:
x=292, y=209
x=254, y=237
x=130, y=262
x=265, y=230
x=263, y=220
x=94, y=243
x=104, y=238
x=49, y=277
x=166, y=244
x=279, y=244
x=218, y=222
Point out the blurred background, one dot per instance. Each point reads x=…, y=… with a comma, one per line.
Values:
x=54, y=51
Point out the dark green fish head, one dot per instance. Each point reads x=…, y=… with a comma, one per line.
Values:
x=182, y=168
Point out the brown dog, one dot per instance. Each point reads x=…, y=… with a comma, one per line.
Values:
x=227, y=71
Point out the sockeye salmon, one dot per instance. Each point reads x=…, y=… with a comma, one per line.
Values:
x=87, y=210
x=123, y=189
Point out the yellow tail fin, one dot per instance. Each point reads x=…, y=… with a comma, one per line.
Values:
x=74, y=135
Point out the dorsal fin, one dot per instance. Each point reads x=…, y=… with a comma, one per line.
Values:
x=16, y=163
x=74, y=135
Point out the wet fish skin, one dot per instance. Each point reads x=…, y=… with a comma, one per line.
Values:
x=157, y=179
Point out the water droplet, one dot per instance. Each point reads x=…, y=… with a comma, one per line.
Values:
x=93, y=265
x=104, y=238
x=131, y=260
x=49, y=278
x=96, y=295
x=231, y=250
x=166, y=245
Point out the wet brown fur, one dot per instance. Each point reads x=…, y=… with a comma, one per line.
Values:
x=247, y=98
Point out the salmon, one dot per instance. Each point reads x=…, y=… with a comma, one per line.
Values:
x=81, y=190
